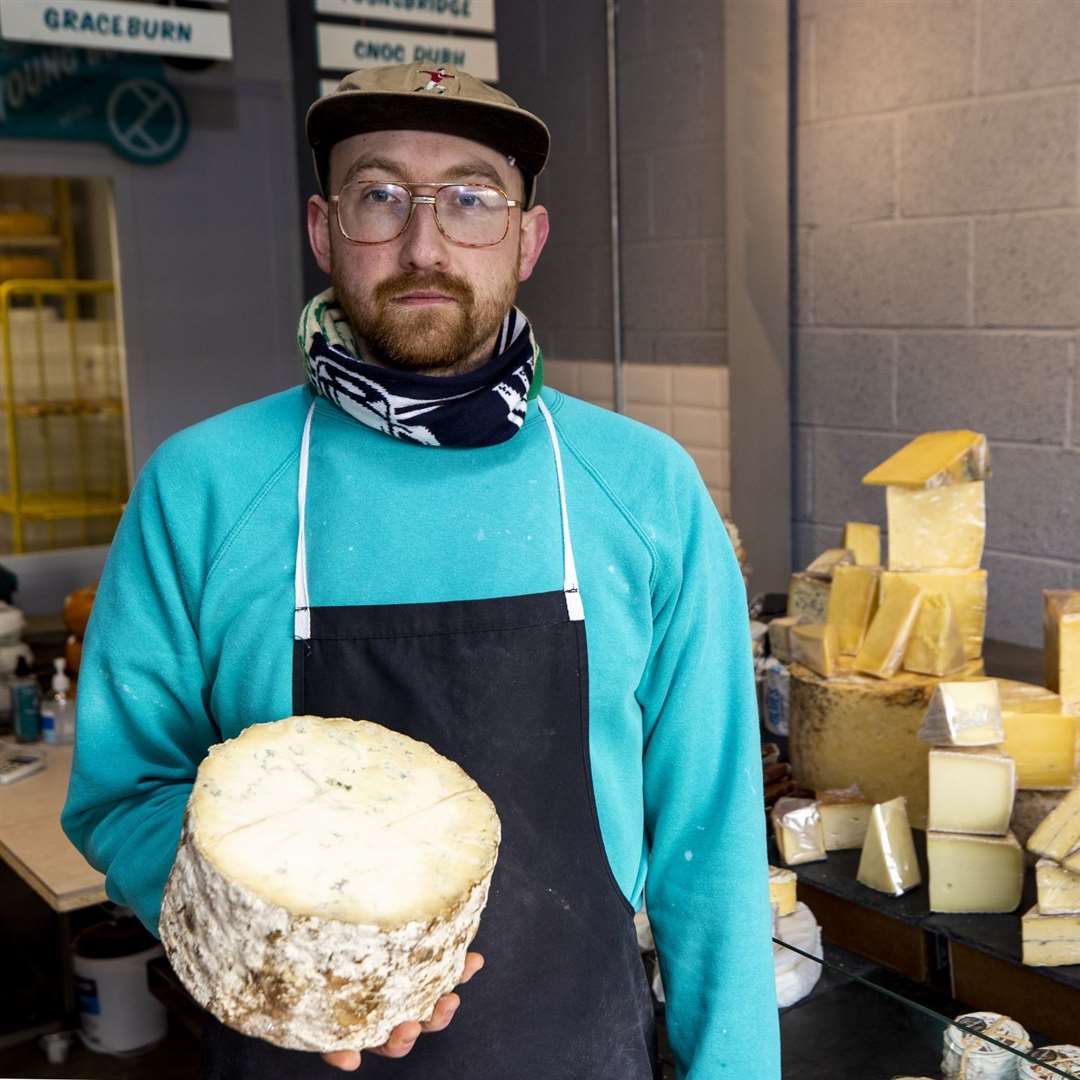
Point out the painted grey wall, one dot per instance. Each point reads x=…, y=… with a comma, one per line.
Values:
x=208, y=244
x=938, y=238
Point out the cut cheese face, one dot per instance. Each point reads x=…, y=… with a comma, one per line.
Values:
x=936, y=459
x=1069, y=661
x=798, y=831
x=971, y=791
x=780, y=636
x=809, y=597
x=936, y=647
x=965, y=588
x=814, y=646
x=974, y=873
x=1039, y=735
x=329, y=878
x=1055, y=602
x=852, y=604
x=888, y=862
x=964, y=714
x=886, y=641
x=826, y=563
x=845, y=816
x=1059, y=834
x=863, y=540
x=782, y=884
x=938, y=529
x=1050, y=940
x=1058, y=888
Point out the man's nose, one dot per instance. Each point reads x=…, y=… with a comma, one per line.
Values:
x=423, y=246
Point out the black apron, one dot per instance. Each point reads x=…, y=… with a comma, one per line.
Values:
x=501, y=687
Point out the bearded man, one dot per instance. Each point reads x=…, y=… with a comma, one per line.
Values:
x=426, y=536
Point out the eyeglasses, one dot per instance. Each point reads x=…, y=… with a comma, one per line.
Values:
x=377, y=211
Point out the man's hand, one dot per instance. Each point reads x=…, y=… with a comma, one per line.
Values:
x=405, y=1035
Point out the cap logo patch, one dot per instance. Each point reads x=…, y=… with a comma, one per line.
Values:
x=433, y=84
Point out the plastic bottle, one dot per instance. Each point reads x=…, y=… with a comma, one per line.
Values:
x=25, y=698
x=58, y=710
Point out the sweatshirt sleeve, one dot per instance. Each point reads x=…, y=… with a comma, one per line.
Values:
x=707, y=883
x=142, y=725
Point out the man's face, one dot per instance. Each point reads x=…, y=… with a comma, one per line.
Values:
x=421, y=302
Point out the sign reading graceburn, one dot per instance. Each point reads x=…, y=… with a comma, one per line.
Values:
x=467, y=14
x=346, y=48
x=120, y=27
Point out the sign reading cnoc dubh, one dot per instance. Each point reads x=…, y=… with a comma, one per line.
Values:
x=119, y=26
x=91, y=96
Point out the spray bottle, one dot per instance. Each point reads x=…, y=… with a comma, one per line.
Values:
x=58, y=710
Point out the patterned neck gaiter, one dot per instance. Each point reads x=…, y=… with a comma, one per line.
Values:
x=480, y=408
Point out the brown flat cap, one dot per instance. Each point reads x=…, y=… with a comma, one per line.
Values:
x=422, y=97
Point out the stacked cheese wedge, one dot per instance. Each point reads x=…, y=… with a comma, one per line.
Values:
x=330, y=876
x=793, y=924
x=976, y=863
x=1051, y=929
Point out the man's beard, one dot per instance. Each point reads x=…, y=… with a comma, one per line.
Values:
x=444, y=337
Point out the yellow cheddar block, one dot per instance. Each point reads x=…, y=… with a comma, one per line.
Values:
x=886, y=641
x=1069, y=660
x=1055, y=603
x=936, y=647
x=827, y=562
x=814, y=646
x=965, y=588
x=782, y=890
x=852, y=604
x=936, y=459
x=864, y=541
x=1039, y=735
x=1059, y=834
x=1050, y=940
x=938, y=528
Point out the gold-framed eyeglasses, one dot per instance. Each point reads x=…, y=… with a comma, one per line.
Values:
x=377, y=211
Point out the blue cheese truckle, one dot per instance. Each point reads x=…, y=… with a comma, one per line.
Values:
x=330, y=876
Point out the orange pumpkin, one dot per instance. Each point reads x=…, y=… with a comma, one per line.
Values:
x=77, y=609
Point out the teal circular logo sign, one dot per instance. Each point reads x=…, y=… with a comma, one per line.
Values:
x=146, y=120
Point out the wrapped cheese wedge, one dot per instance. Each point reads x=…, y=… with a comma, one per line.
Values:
x=330, y=877
x=964, y=714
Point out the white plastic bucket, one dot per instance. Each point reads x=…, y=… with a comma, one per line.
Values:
x=118, y=1014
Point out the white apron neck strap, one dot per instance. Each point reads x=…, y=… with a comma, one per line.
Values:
x=574, y=606
x=302, y=611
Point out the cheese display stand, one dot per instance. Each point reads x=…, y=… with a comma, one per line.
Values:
x=894, y=712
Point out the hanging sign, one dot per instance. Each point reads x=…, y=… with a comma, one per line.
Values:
x=119, y=26
x=346, y=48
x=463, y=14
x=91, y=96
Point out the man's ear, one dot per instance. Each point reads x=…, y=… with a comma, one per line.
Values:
x=318, y=228
x=534, y=234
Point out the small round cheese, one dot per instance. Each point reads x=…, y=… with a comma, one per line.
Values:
x=330, y=876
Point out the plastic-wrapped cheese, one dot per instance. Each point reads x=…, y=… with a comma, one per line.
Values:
x=330, y=876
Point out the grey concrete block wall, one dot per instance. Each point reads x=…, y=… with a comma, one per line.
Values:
x=553, y=60
x=938, y=277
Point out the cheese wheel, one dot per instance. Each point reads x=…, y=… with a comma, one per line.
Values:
x=329, y=879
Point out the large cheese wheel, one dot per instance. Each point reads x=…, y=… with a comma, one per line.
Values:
x=854, y=729
x=330, y=876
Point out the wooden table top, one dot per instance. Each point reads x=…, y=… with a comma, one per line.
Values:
x=32, y=842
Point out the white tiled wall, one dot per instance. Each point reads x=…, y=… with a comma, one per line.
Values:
x=688, y=401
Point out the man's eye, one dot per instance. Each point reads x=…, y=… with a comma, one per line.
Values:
x=380, y=195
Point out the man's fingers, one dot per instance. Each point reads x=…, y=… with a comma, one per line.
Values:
x=401, y=1040
x=444, y=1011
x=348, y=1060
x=473, y=963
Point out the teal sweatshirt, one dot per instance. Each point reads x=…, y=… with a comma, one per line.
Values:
x=193, y=625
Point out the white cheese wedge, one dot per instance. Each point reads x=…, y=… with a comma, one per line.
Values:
x=971, y=791
x=888, y=862
x=798, y=830
x=330, y=876
x=1050, y=940
x=974, y=873
x=1059, y=834
x=845, y=816
x=863, y=540
x=964, y=714
x=782, y=884
x=1058, y=888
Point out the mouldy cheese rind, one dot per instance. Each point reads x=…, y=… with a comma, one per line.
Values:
x=277, y=928
x=935, y=459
